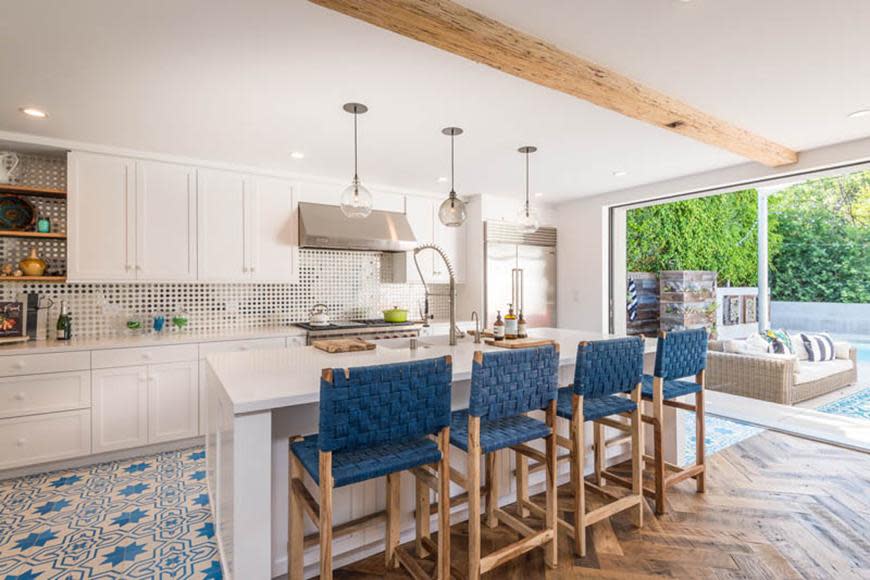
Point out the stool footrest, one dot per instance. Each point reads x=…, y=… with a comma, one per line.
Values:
x=513, y=522
x=686, y=473
x=612, y=508
x=510, y=552
x=410, y=565
x=347, y=528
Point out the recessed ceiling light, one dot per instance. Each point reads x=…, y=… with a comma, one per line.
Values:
x=34, y=112
x=620, y=173
x=297, y=155
x=861, y=113
x=442, y=180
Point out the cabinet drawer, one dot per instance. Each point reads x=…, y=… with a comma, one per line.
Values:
x=40, y=438
x=122, y=357
x=208, y=348
x=31, y=394
x=56, y=362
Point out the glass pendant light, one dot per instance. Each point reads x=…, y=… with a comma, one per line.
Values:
x=452, y=210
x=356, y=200
x=528, y=217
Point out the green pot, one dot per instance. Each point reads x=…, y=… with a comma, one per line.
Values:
x=396, y=315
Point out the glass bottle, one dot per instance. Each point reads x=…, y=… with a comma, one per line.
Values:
x=498, y=328
x=521, y=327
x=64, y=323
x=510, y=324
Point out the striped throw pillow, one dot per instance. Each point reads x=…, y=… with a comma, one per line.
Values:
x=819, y=347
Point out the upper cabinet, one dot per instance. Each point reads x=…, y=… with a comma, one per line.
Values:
x=274, y=235
x=422, y=214
x=101, y=221
x=222, y=227
x=130, y=219
x=247, y=228
x=165, y=221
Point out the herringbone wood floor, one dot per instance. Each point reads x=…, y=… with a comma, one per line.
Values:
x=776, y=507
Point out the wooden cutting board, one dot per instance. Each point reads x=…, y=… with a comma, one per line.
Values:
x=337, y=345
x=520, y=342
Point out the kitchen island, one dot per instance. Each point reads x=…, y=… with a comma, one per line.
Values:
x=256, y=400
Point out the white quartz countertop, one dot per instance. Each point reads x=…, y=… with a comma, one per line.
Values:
x=262, y=380
x=146, y=340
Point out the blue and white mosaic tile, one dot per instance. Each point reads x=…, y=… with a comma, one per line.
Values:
x=855, y=405
x=139, y=518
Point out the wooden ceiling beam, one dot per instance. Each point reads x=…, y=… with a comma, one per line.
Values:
x=456, y=29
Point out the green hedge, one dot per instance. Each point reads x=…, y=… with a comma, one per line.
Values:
x=819, y=239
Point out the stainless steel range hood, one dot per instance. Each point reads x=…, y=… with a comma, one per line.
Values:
x=326, y=227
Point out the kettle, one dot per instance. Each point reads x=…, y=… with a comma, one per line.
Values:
x=318, y=315
x=8, y=163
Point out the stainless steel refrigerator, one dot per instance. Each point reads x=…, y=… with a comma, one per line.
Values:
x=520, y=270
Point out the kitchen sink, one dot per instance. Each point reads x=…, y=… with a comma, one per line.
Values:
x=422, y=342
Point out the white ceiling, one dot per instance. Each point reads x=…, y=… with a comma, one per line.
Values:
x=249, y=82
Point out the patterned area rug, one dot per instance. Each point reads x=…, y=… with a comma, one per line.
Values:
x=138, y=518
x=855, y=405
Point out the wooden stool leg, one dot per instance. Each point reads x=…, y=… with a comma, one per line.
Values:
x=551, y=550
x=444, y=506
x=472, y=482
x=598, y=431
x=522, y=484
x=492, y=491
x=392, y=519
x=421, y=517
x=699, y=438
x=658, y=415
x=579, y=459
x=637, y=455
x=295, y=524
x=326, y=484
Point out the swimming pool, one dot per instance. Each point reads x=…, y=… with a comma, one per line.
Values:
x=863, y=349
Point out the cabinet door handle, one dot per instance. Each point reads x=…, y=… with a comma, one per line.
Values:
x=147, y=356
x=142, y=378
x=19, y=396
x=19, y=365
x=21, y=442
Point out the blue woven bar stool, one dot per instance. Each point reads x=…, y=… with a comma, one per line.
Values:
x=605, y=369
x=376, y=421
x=679, y=354
x=504, y=387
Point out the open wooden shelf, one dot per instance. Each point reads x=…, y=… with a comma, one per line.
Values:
x=32, y=278
x=38, y=235
x=28, y=190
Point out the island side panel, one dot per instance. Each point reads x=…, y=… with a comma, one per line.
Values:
x=252, y=496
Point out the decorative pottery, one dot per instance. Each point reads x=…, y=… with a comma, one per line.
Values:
x=32, y=265
x=7, y=269
x=16, y=213
x=8, y=163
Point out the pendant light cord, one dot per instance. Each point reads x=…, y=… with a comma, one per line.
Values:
x=452, y=170
x=355, y=168
x=527, y=184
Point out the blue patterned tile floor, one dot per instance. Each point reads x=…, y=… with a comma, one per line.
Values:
x=138, y=518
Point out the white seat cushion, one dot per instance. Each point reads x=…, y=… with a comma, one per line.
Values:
x=813, y=371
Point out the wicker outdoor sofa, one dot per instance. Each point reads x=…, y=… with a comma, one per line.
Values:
x=773, y=378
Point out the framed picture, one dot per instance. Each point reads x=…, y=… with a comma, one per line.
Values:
x=732, y=313
x=12, y=320
x=750, y=312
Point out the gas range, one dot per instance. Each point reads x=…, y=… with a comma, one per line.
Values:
x=371, y=329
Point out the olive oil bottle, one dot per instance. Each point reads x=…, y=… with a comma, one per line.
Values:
x=521, y=327
x=510, y=324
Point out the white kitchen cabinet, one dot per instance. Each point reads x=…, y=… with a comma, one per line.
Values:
x=452, y=240
x=222, y=246
x=47, y=437
x=273, y=236
x=165, y=221
x=120, y=408
x=101, y=217
x=418, y=210
x=173, y=401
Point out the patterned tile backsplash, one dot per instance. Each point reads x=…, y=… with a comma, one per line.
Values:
x=349, y=283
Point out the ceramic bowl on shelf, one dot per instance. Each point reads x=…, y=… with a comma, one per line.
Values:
x=16, y=213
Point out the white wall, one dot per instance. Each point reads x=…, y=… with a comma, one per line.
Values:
x=583, y=231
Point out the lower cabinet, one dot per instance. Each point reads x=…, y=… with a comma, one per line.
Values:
x=146, y=404
x=48, y=437
x=120, y=408
x=173, y=401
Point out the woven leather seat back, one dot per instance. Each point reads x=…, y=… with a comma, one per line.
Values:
x=384, y=403
x=607, y=367
x=513, y=382
x=682, y=353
